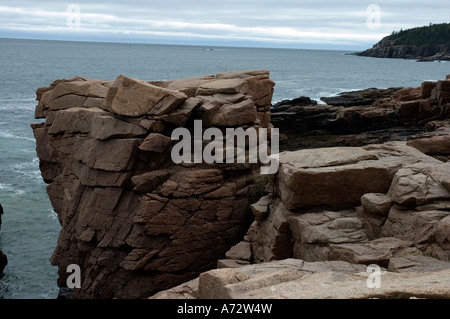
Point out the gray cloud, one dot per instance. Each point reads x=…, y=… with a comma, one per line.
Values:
x=283, y=22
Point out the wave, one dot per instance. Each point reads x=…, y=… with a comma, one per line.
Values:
x=29, y=170
x=53, y=215
x=18, y=100
x=9, y=188
x=4, y=186
x=8, y=134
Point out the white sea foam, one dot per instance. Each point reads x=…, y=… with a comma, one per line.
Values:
x=8, y=134
x=18, y=192
x=4, y=186
x=53, y=215
x=18, y=100
x=28, y=169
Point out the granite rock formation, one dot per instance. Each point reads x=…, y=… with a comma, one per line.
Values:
x=388, y=48
x=407, y=277
x=137, y=223
x=363, y=117
x=133, y=220
x=333, y=213
x=330, y=213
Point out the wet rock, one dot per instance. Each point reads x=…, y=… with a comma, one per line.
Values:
x=360, y=97
x=3, y=258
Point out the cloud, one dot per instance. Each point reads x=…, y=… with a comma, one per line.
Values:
x=272, y=22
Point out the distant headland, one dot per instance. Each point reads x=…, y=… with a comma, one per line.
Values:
x=428, y=43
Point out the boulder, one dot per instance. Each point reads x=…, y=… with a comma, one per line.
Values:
x=261, y=208
x=131, y=97
x=427, y=87
x=335, y=177
x=420, y=183
x=418, y=226
x=327, y=228
x=155, y=142
x=270, y=240
x=376, y=204
x=240, y=251
x=378, y=251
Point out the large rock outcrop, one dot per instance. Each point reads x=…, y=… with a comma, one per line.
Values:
x=362, y=205
x=133, y=220
x=137, y=221
x=332, y=217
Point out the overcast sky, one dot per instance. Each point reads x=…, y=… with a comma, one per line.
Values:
x=333, y=24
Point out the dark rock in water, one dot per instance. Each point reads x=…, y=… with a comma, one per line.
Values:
x=286, y=104
x=3, y=259
x=359, y=97
x=3, y=262
x=64, y=293
x=1, y=213
x=357, y=118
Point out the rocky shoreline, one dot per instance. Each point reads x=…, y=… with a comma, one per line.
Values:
x=361, y=117
x=362, y=181
x=388, y=48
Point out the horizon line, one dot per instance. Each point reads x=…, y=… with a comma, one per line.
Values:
x=174, y=43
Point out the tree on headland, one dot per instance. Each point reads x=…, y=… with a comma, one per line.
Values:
x=434, y=34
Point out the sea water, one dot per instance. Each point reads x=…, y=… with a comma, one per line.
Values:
x=30, y=226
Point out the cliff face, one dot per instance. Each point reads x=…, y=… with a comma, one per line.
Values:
x=133, y=220
x=388, y=48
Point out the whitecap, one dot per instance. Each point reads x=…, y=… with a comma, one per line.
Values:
x=8, y=134
x=53, y=215
x=4, y=186
x=18, y=100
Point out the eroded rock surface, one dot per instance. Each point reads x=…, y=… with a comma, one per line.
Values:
x=133, y=220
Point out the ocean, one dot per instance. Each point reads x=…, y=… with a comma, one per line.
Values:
x=30, y=227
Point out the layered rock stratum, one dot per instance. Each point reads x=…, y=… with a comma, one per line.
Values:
x=139, y=225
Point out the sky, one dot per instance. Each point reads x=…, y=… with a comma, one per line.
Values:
x=320, y=24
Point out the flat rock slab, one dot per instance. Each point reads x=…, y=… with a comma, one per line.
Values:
x=378, y=251
x=417, y=264
x=297, y=279
x=131, y=97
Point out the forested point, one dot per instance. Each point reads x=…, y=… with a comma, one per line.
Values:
x=434, y=34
